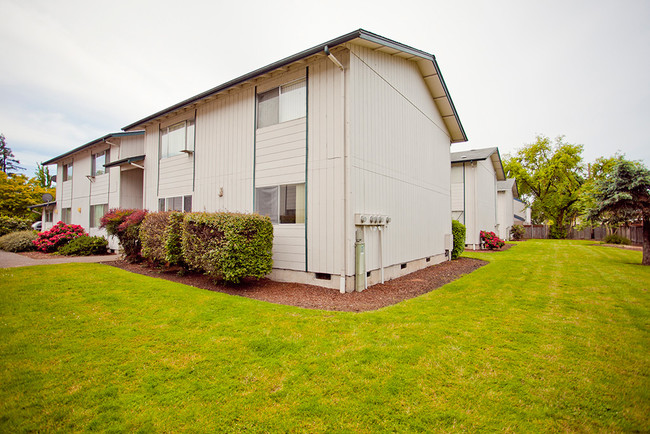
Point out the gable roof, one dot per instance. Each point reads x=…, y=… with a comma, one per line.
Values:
x=480, y=155
x=508, y=184
x=426, y=62
x=94, y=142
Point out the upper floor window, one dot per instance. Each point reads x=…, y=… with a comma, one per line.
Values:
x=177, y=138
x=282, y=104
x=67, y=172
x=98, y=161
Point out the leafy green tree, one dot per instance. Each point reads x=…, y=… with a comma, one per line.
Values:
x=43, y=176
x=8, y=161
x=549, y=177
x=17, y=192
x=623, y=196
x=597, y=171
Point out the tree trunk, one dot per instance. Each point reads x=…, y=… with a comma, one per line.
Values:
x=646, y=240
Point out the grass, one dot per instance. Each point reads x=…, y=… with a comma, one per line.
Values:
x=550, y=336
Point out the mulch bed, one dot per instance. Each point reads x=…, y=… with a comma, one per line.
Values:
x=316, y=297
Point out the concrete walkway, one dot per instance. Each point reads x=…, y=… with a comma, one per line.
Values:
x=9, y=260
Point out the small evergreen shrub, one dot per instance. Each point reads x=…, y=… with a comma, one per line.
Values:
x=14, y=224
x=228, y=246
x=60, y=235
x=85, y=246
x=616, y=239
x=458, y=231
x=517, y=232
x=125, y=225
x=491, y=241
x=21, y=241
x=160, y=235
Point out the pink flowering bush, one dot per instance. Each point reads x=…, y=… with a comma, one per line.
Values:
x=491, y=241
x=60, y=235
x=125, y=225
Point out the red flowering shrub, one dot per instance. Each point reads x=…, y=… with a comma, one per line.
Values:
x=60, y=235
x=491, y=241
x=125, y=225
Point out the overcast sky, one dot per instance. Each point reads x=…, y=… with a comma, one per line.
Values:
x=73, y=71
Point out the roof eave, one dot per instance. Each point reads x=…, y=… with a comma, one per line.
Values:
x=361, y=34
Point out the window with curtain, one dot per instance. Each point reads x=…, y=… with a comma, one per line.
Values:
x=284, y=204
x=282, y=104
x=96, y=213
x=177, y=138
x=66, y=215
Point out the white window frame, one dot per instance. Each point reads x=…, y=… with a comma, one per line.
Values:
x=167, y=203
x=94, y=170
x=189, y=137
x=66, y=215
x=67, y=171
x=95, y=221
x=279, y=215
x=284, y=115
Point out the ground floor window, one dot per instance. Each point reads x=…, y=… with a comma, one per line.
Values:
x=96, y=214
x=49, y=216
x=176, y=203
x=282, y=203
x=66, y=215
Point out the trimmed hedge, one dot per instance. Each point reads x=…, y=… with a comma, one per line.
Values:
x=458, y=230
x=14, y=224
x=228, y=246
x=85, y=246
x=160, y=234
x=21, y=241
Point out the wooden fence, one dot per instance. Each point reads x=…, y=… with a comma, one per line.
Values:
x=634, y=232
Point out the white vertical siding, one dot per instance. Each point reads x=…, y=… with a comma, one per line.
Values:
x=280, y=153
x=325, y=172
x=130, y=146
x=224, y=153
x=99, y=189
x=131, y=187
x=400, y=157
x=486, y=191
x=505, y=213
x=176, y=177
x=151, y=167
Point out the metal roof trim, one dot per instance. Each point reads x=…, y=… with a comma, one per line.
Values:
x=94, y=142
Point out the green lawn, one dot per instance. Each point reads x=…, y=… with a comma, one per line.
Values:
x=551, y=336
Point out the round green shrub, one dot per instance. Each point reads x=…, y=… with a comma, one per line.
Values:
x=616, y=239
x=458, y=230
x=84, y=246
x=21, y=241
x=14, y=224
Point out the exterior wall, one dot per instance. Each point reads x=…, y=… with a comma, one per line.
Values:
x=505, y=213
x=474, y=193
x=519, y=210
x=458, y=192
x=486, y=197
x=400, y=159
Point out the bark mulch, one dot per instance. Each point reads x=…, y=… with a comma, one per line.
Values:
x=316, y=297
